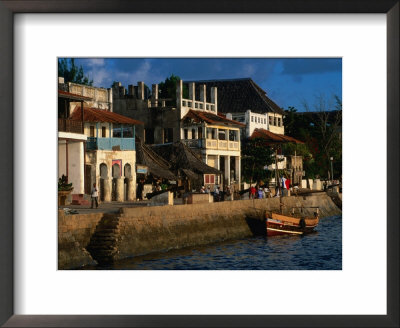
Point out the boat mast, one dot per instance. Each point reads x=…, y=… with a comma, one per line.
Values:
x=277, y=180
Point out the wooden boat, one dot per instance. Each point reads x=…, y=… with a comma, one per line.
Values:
x=280, y=224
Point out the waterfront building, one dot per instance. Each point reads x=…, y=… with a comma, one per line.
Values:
x=71, y=141
x=110, y=157
x=193, y=120
x=290, y=163
x=244, y=101
x=105, y=154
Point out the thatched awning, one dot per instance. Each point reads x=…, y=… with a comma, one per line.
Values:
x=157, y=166
x=182, y=157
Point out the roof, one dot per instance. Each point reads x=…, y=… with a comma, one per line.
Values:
x=240, y=95
x=183, y=159
x=273, y=137
x=156, y=164
x=101, y=115
x=210, y=118
x=72, y=96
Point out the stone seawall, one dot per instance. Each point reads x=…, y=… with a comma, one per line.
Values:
x=84, y=239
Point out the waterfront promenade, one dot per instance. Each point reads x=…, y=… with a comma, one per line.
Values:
x=87, y=238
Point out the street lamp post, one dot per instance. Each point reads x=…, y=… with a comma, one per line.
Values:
x=331, y=169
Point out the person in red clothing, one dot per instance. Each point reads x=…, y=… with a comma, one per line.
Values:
x=252, y=192
x=287, y=183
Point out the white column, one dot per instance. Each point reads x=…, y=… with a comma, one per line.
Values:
x=227, y=170
x=192, y=92
x=119, y=189
x=203, y=95
x=238, y=169
x=214, y=98
x=82, y=168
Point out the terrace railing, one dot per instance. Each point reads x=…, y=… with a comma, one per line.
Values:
x=93, y=143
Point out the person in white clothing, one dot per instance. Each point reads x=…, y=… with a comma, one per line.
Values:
x=95, y=196
x=283, y=186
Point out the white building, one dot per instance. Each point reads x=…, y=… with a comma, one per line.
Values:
x=244, y=101
x=212, y=135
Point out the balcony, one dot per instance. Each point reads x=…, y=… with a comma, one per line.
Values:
x=66, y=125
x=200, y=105
x=212, y=144
x=110, y=143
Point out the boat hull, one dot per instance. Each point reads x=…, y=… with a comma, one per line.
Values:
x=278, y=224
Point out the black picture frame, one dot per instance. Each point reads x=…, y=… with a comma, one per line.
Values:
x=7, y=10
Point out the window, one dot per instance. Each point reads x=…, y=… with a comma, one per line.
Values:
x=193, y=134
x=211, y=133
x=221, y=134
x=275, y=121
x=279, y=121
x=265, y=120
x=103, y=132
x=233, y=135
x=209, y=179
x=258, y=120
x=127, y=132
x=116, y=131
x=185, y=133
x=200, y=132
x=92, y=131
x=252, y=118
x=270, y=120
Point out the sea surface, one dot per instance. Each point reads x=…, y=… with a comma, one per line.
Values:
x=320, y=250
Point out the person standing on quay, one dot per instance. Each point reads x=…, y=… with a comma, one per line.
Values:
x=95, y=196
x=252, y=192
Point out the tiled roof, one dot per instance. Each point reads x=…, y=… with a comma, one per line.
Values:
x=273, y=137
x=101, y=115
x=239, y=95
x=73, y=96
x=210, y=118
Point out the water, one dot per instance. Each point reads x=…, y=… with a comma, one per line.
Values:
x=321, y=250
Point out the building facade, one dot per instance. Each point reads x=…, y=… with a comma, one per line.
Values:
x=193, y=120
x=110, y=156
x=95, y=144
x=244, y=101
x=71, y=142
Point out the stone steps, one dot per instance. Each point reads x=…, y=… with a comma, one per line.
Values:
x=102, y=245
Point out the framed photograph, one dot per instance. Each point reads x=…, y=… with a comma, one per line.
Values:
x=360, y=290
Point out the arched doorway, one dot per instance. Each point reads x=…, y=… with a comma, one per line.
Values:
x=103, y=180
x=116, y=174
x=127, y=180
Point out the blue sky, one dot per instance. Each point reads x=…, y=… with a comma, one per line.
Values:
x=287, y=81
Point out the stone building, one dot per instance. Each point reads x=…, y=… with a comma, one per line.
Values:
x=95, y=144
x=244, y=101
x=110, y=157
x=194, y=120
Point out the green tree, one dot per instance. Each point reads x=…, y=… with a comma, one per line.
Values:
x=72, y=73
x=320, y=128
x=167, y=90
x=256, y=154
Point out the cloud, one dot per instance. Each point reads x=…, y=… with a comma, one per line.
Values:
x=93, y=62
x=100, y=77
